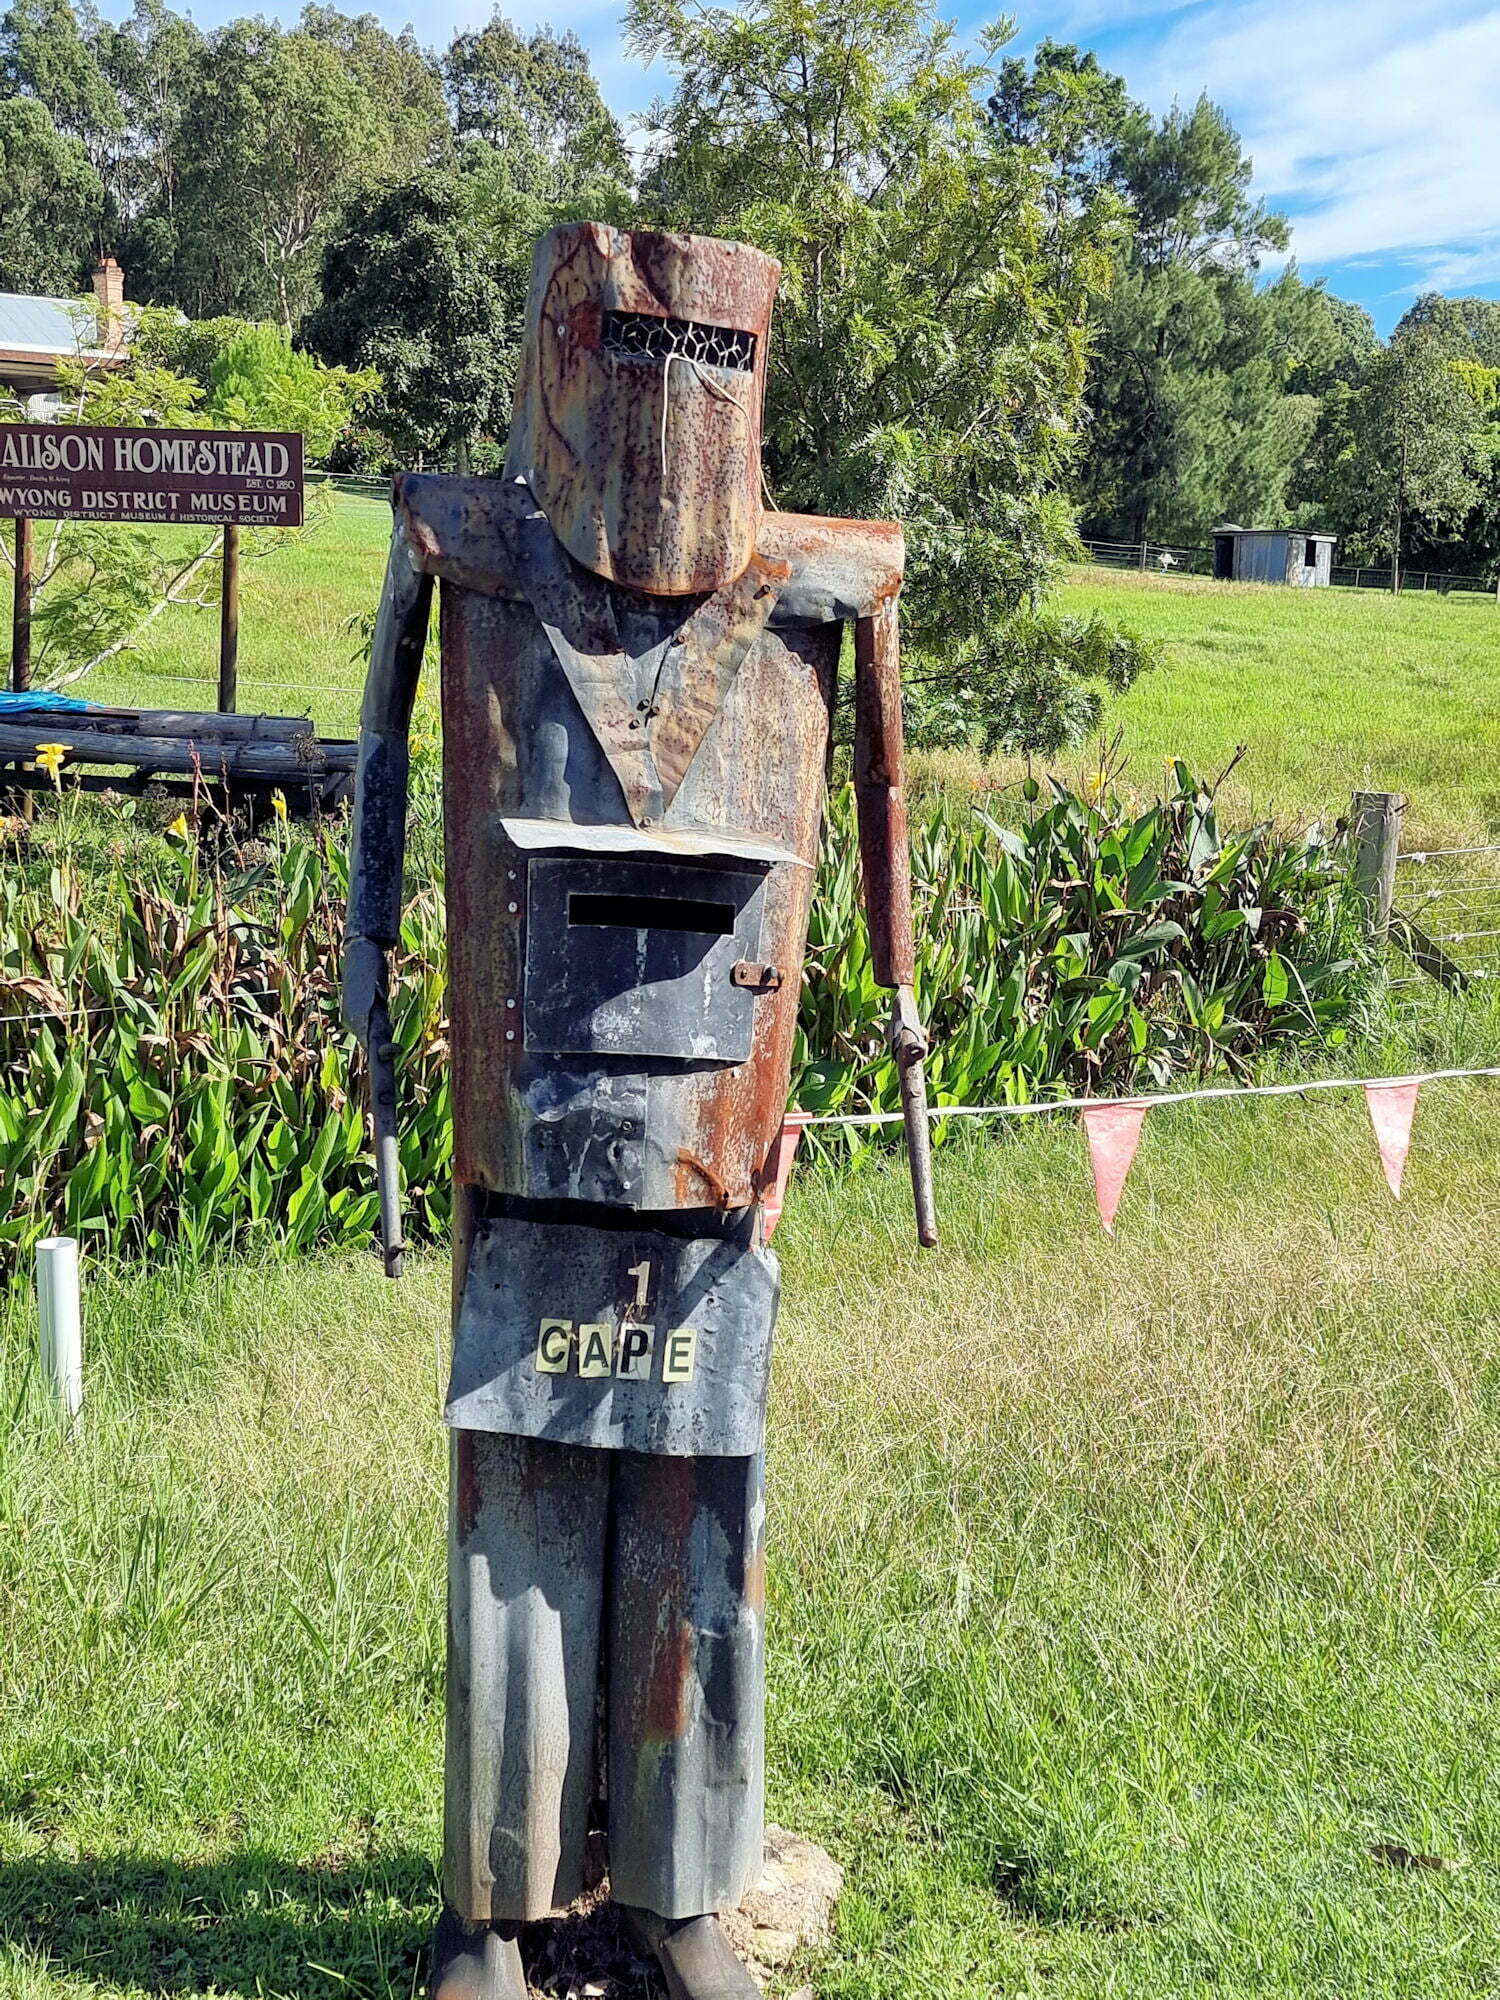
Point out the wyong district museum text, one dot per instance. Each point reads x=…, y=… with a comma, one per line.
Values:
x=81, y=473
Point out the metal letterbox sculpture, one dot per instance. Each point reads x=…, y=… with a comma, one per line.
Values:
x=638, y=670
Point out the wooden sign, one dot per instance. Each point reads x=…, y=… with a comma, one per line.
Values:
x=82, y=472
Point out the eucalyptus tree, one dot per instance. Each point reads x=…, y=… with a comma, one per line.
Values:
x=51, y=200
x=931, y=333
x=1403, y=450
x=534, y=99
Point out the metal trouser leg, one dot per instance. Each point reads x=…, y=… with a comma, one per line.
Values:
x=528, y=1539
x=686, y=1651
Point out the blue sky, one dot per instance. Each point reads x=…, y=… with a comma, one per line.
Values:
x=1373, y=124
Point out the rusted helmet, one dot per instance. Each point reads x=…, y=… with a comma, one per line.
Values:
x=638, y=402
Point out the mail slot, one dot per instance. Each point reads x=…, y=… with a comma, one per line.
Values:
x=633, y=958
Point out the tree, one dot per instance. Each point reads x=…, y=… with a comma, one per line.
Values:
x=1192, y=360
x=261, y=382
x=396, y=74
x=50, y=202
x=281, y=129
x=536, y=102
x=404, y=294
x=1337, y=343
x=1401, y=449
x=276, y=131
x=1203, y=380
x=930, y=336
x=1467, y=329
x=1067, y=108
x=44, y=54
x=149, y=61
x=246, y=375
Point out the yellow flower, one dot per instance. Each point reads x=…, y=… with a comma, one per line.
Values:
x=278, y=804
x=179, y=826
x=418, y=743
x=49, y=758
x=1097, y=783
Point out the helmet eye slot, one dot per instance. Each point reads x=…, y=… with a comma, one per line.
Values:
x=649, y=337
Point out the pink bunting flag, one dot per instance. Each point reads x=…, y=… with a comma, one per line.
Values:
x=1392, y=1108
x=1114, y=1132
x=780, y=1164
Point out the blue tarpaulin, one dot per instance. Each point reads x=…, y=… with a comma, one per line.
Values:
x=63, y=704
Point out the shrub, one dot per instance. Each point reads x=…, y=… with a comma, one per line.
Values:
x=1093, y=948
x=173, y=1064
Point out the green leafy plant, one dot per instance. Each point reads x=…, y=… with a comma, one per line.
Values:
x=1093, y=948
x=172, y=1068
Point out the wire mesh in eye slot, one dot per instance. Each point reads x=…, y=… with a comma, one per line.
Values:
x=647, y=337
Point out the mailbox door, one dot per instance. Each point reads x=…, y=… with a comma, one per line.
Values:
x=633, y=958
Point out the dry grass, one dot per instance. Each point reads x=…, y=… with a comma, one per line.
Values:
x=1125, y=1593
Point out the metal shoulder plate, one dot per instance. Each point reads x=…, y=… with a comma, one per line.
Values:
x=463, y=530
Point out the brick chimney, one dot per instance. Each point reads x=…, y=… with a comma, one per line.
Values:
x=109, y=290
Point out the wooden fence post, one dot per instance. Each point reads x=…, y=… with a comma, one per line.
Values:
x=229, y=624
x=20, y=617
x=1376, y=820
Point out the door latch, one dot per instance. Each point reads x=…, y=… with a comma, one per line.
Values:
x=759, y=978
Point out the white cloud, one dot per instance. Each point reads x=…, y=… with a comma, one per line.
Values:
x=1373, y=124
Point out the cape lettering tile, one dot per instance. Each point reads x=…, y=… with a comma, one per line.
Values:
x=554, y=1347
x=634, y=1352
x=596, y=1340
x=680, y=1354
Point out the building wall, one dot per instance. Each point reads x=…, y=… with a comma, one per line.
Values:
x=1275, y=555
x=1309, y=561
x=1260, y=557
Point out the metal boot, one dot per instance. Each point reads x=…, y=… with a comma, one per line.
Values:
x=697, y=1960
x=474, y=1962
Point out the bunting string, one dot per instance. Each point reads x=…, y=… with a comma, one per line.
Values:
x=1148, y=1102
x=1112, y=1125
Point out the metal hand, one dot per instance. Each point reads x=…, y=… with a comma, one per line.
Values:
x=367, y=1013
x=909, y=1046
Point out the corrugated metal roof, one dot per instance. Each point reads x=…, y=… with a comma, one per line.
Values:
x=1318, y=534
x=45, y=326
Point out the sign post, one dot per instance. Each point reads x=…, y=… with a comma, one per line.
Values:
x=229, y=623
x=84, y=472
x=20, y=616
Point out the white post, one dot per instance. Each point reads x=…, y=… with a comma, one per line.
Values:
x=61, y=1319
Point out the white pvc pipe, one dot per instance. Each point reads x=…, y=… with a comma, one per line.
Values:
x=61, y=1318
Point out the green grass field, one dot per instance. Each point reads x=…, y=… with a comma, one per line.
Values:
x=1135, y=1602
x=300, y=641
x=1329, y=690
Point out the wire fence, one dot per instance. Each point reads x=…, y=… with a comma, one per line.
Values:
x=1187, y=559
x=1450, y=898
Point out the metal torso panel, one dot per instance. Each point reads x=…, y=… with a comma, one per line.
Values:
x=618, y=1123
x=634, y=1339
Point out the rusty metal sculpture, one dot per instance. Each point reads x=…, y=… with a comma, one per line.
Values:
x=638, y=670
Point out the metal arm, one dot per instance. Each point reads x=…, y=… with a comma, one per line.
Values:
x=377, y=857
x=886, y=860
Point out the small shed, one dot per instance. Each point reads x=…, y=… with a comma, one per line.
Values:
x=1302, y=556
